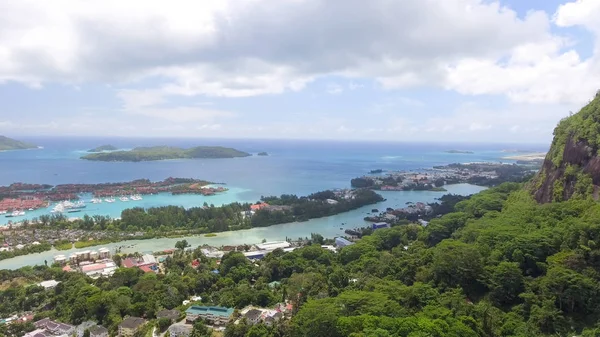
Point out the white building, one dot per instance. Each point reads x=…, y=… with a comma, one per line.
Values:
x=103, y=253
x=60, y=259
x=50, y=284
x=272, y=245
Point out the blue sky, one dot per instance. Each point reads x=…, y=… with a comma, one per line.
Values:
x=410, y=70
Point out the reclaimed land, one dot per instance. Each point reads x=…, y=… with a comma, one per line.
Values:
x=167, y=152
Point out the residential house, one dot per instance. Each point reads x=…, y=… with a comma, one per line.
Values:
x=130, y=326
x=253, y=316
x=214, y=315
x=54, y=328
x=37, y=333
x=84, y=326
x=173, y=315
x=98, y=331
x=270, y=319
x=180, y=330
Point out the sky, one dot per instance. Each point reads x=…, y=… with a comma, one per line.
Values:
x=400, y=70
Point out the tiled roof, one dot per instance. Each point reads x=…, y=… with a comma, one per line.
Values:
x=132, y=322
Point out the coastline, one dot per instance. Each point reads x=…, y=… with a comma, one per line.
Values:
x=527, y=157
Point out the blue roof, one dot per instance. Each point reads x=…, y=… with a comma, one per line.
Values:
x=215, y=311
x=342, y=240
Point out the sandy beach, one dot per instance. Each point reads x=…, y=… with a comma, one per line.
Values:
x=528, y=156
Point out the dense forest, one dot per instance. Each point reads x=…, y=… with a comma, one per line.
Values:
x=499, y=264
x=166, y=152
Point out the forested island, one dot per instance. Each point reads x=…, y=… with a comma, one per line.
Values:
x=166, y=152
x=102, y=148
x=13, y=144
x=262, y=154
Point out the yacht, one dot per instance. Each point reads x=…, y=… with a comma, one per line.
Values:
x=136, y=197
x=3, y=212
x=96, y=201
x=15, y=213
x=124, y=198
x=111, y=199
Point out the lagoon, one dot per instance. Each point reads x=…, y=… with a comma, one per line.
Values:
x=329, y=227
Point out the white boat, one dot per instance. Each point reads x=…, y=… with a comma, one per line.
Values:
x=111, y=199
x=15, y=213
x=3, y=212
x=96, y=201
x=31, y=209
x=124, y=198
x=136, y=197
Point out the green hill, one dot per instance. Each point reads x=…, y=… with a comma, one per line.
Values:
x=13, y=144
x=167, y=152
x=571, y=168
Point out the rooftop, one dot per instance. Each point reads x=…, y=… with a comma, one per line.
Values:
x=98, y=330
x=132, y=322
x=215, y=311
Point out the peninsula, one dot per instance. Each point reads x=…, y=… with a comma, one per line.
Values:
x=13, y=144
x=166, y=152
x=103, y=148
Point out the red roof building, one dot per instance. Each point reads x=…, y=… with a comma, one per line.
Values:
x=129, y=263
x=257, y=207
x=146, y=269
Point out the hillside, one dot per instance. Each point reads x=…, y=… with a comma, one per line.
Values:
x=13, y=144
x=571, y=168
x=166, y=152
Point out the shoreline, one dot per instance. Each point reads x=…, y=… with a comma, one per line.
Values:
x=527, y=157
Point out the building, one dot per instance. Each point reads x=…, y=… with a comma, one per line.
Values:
x=272, y=318
x=270, y=246
x=129, y=263
x=173, y=315
x=180, y=330
x=148, y=259
x=60, y=259
x=37, y=333
x=214, y=315
x=96, y=270
x=212, y=253
x=379, y=225
x=84, y=326
x=98, y=331
x=50, y=284
x=54, y=328
x=149, y=268
x=94, y=255
x=253, y=316
x=103, y=253
x=257, y=207
x=130, y=326
x=341, y=242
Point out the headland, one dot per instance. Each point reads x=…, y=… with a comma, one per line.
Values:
x=7, y=144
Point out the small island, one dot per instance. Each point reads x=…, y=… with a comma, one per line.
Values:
x=166, y=152
x=103, y=148
x=262, y=154
x=13, y=144
x=459, y=151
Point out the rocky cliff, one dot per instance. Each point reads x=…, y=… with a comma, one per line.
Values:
x=571, y=168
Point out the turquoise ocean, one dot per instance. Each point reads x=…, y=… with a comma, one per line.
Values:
x=292, y=167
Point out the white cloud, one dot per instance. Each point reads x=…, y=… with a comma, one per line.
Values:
x=334, y=89
x=229, y=48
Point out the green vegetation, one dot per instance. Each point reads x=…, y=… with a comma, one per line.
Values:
x=499, y=264
x=574, y=147
x=29, y=249
x=13, y=144
x=262, y=154
x=210, y=235
x=166, y=152
x=176, y=220
x=89, y=243
x=102, y=148
x=63, y=245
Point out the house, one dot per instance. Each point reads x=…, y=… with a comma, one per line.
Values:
x=270, y=319
x=253, y=316
x=98, y=331
x=37, y=333
x=150, y=268
x=50, y=284
x=173, y=315
x=341, y=242
x=130, y=326
x=180, y=330
x=214, y=315
x=257, y=207
x=84, y=326
x=129, y=263
x=54, y=328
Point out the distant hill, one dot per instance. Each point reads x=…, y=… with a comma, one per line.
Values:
x=166, y=152
x=571, y=168
x=13, y=144
x=103, y=148
x=459, y=151
x=262, y=154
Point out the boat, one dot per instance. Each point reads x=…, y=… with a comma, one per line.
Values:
x=3, y=212
x=31, y=209
x=136, y=197
x=15, y=214
x=73, y=211
x=124, y=198
x=96, y=201
x=111, y=199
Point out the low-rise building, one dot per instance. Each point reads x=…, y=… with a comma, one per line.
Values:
x=130, y=326
x=37, y=333
x=270, y=246
x=341, y=242
x=98, y=331
x=50, y=284
x=180, y=330
x=253, y=316
x=80, y=330
x=214, y=315
x=54, y=328
x=379, y=225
